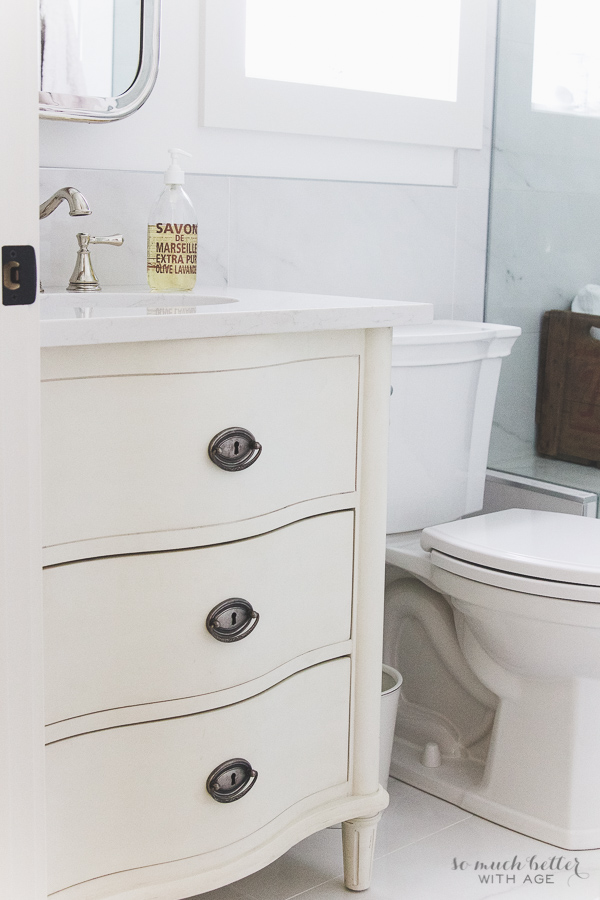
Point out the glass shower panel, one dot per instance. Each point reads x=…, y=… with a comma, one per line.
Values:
x=544, y=231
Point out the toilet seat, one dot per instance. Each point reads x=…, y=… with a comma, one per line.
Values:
x=508, y=581
x=533, y=551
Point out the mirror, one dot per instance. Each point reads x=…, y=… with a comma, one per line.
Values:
x=98, y=58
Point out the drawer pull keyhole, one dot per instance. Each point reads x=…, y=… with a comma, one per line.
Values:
x=234, y=449
x=232, y=620
x=231, y=780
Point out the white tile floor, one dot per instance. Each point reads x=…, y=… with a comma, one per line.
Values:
x=419, y=839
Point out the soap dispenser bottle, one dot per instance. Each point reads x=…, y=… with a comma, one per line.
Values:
x=172, y=234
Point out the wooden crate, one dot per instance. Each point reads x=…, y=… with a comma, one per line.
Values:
x=568, y=391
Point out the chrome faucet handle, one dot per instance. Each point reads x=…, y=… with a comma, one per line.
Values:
x=83, y=277
x=115, y=240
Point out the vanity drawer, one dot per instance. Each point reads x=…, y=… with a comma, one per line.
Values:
x=128, y=630
x=136, y=796
x=129, y=454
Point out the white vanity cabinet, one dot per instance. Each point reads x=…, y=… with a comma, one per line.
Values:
x=213, y=635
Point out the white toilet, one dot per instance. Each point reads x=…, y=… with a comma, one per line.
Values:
x=493, y=620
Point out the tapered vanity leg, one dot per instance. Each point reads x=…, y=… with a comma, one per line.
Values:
x=358, y=840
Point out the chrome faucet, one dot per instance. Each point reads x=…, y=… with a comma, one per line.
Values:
x=84, y=277
x=78, y=205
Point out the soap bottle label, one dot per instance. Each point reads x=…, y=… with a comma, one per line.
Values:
x=172, y=255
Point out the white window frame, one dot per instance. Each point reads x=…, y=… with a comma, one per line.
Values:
x=235, y=102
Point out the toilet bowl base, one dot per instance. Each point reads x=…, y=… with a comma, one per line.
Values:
x=458, y=781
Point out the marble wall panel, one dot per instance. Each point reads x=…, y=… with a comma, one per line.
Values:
x=391, y=241
x=544, y=247
x=470, y=255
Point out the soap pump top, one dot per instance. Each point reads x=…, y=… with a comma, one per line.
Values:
x=175, y=173
x=172, y=233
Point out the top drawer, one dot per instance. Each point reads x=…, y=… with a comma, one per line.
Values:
x=129, y=453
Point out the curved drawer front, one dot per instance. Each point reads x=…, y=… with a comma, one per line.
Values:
x=129, y=454
x=136, y=796
x=128, y=630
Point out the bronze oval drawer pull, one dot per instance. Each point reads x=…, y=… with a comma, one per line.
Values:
x=234, y=449
x=232, y=620
x=231, y=780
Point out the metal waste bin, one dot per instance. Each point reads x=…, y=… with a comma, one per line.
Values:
x=391, y=680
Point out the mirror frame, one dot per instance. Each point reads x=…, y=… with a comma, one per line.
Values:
x=136, y=94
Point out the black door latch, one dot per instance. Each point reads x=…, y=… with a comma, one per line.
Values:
x=19, y=275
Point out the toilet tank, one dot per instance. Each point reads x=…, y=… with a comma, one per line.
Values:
x=444, y=382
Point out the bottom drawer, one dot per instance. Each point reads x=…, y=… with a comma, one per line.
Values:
x=136, y=796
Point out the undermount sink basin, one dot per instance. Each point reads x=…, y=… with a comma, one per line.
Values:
x=131, y=301
x=183, y=300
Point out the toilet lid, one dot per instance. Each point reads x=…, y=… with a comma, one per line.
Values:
x=542, y=545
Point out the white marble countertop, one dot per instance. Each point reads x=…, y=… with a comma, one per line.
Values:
x=135, y=314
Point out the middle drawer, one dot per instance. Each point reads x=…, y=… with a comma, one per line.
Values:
x=122, y=631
